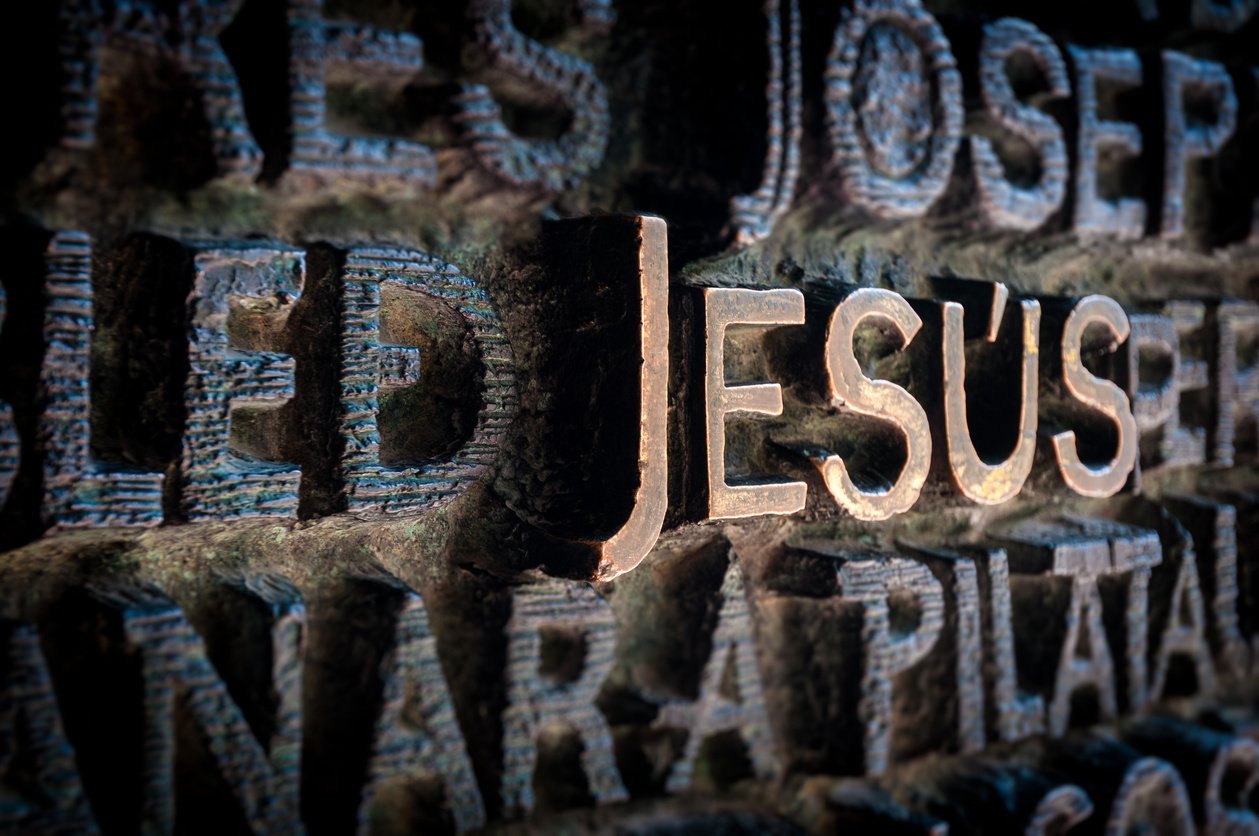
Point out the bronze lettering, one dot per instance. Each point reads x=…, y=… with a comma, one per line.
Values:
x=725, y=308
x=322, y=475
x=975, y=478
x=851, y=391
x=623, y=550
x=1099, y=394
x=601, y=510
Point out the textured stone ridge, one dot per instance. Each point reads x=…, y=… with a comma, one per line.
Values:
x=336, y=593
x=372, y=364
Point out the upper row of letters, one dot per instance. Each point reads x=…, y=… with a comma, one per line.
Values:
x=893, y=99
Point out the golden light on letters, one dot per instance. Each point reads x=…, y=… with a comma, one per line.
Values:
x=989, y=484
x=850, y=389
x=724, y=308
x=1102, y=395
x=628, y=546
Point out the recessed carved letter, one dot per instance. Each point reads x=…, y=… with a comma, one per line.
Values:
x=1151, y=795
x=238, y=382
x=892, y=653
x=561, y=642
x=1213, y=529
x=550, y=164
x=390, y=297
x=261, y=774
x=1122, y=217
x=195, y=29
x=404, y=750
x=1221, y=15
x=730, y=697
x=50, y=799
x=10, y=444
x=894, y=102
x=77, y=490
x=1185, y=140
x=1004, y=203
x=317, y=47
x=1155, y=342
x=754, y=215
x=1066, y=571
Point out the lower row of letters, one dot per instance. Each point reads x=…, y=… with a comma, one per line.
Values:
x=1048, y=625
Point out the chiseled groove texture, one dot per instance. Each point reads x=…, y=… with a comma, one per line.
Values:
x=414, y=739
x=174, y=664
x=154, y=621
x=1120, y=217
x=1005, y=204
x=77, y=491
x=535, y=703
x=78, y=47
x=202, y=23
x=10, y=443
x=220, y=483
x=194, y=35
x=316, y=45
x=371, y=486
x=1085, y=550
x=883, y=194
x=1186, y=140
x=553, y=165
x=10, y=450
x=26, y=688
x=288, y=662
x=754, y=215
x=716, y=711
x=1213, y=529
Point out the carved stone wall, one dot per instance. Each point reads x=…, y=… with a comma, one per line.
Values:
x=677, y=416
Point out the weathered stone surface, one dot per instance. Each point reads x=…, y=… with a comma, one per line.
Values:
x=385, y=669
